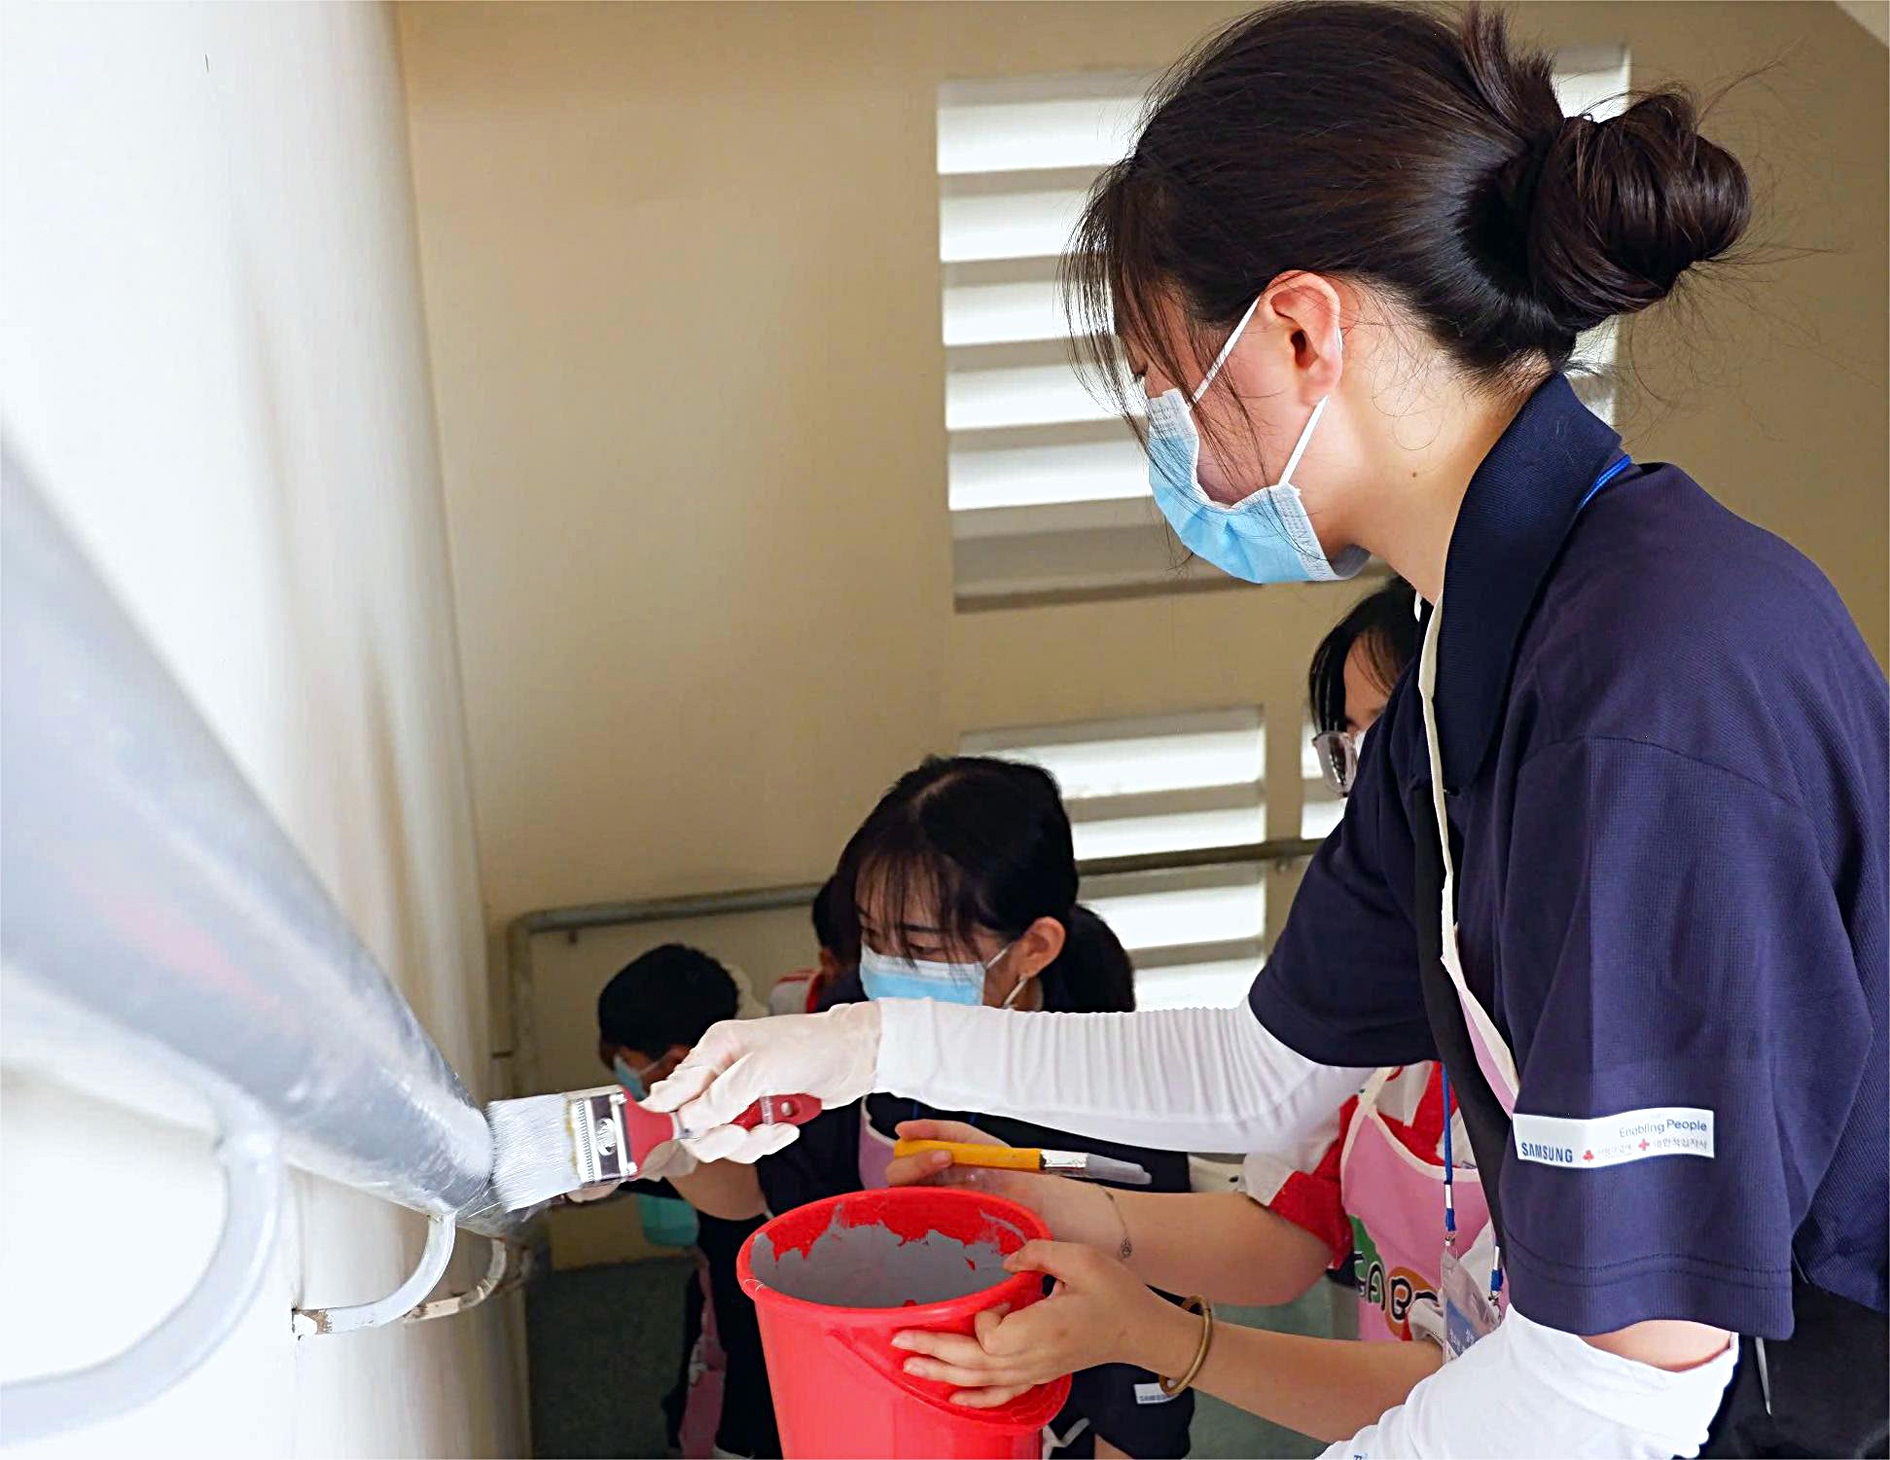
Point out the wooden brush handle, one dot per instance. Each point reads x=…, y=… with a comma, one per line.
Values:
x=967, y=1153
x=779, y=1110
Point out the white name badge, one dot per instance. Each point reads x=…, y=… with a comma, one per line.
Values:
x=1614, y=1140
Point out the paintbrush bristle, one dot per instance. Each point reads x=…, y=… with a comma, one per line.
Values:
x=533, y=1156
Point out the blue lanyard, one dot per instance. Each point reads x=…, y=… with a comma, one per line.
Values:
x=1450, y=1194
x=1613, y=471
x=1450, y=1167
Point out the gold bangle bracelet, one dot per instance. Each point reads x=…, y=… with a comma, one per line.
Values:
x=1196, y=1304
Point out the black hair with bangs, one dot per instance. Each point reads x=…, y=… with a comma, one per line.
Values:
x=982, y=843
x=1385, y=624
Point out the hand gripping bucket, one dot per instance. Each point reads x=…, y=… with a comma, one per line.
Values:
x=833, y=1281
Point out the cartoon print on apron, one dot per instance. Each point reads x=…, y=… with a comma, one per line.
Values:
x=1394, y=1197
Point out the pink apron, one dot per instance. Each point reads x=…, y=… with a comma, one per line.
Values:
x=1396, y=1201
x=708, y=1369
x=876, y=1153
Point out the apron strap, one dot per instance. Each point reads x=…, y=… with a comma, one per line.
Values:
x=1482, y=1026
x=1485, y=1119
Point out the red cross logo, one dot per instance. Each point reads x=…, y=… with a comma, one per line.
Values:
x=1643, y=1143
x=1588, y=1155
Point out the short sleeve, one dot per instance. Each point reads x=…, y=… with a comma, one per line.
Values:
x=1674, y=970
x=1341, y=984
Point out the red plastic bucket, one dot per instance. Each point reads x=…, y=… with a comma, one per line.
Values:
x=834, y=1280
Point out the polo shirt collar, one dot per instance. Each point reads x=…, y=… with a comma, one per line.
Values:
x=1518, y=511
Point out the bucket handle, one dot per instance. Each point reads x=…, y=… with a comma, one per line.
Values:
x=1031, y=1410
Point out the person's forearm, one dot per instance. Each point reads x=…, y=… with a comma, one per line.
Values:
x=1217, y=1243
x=1170, y=1079
x=725, y=1189
x=1324, y=1387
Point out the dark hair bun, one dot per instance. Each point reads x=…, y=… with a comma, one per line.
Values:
x=1414, y=150
x=1585, y=220
x=1621, y=208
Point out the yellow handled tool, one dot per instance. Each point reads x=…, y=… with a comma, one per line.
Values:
x=1080, y=1164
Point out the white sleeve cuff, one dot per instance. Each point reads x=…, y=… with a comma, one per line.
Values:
x=1532, y=1390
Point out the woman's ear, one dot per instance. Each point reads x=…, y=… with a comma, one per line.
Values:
x=1037, y=948
x=1311, y=312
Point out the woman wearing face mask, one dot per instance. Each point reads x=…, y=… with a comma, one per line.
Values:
x=1348, y=260
x=962, y=890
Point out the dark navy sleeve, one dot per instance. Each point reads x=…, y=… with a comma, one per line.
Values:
x=1685, y=1008
x=823, y=1161
x=1341, y=984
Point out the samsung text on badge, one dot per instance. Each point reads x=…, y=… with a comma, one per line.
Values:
x=1614, y=1140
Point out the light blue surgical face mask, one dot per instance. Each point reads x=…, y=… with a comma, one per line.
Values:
x=1265, y=537
x=883, y=976
x=632, y=1080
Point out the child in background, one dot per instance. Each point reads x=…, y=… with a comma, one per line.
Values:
x=648, y=1017
x=1352, y=674
x=1366, y=1197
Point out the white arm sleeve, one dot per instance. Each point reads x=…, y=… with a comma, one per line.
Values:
x=1531, y=1390
x=1169, y=1079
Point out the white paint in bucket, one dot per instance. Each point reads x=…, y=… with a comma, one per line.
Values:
x=868, y=1266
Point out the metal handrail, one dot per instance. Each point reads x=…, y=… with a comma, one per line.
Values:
x=402, y=1303
x=143, y=881
x=1277, y=852
x=32, y=1409
x=146, y=892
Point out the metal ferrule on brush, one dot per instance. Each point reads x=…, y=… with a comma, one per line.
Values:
x=1092, y=1168
x=599, y=1144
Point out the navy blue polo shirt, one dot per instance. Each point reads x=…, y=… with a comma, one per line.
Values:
x=1664, y=748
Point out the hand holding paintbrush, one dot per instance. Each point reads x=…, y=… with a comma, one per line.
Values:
x=951, y=1153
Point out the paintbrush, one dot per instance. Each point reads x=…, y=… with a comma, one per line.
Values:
x=1080, y=1164
x=550, y=1145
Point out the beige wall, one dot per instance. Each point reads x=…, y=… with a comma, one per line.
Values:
x=212, y=357
x=680, y=266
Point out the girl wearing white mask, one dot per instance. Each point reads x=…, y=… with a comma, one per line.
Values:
x=1615, y=853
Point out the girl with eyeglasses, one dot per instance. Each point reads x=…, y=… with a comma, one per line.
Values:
x=1360, y=1200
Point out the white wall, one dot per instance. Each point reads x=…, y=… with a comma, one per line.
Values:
x=212, y=356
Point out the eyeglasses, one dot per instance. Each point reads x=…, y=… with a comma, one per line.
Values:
x=1338, y=758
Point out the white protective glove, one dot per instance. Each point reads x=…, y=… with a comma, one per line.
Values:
x=669, y=1160
x=831, y=1056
